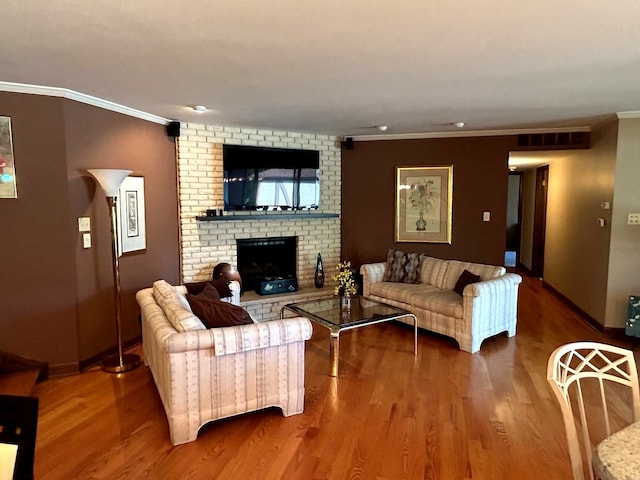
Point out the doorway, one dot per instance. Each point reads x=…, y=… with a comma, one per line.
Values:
x=539, y=221
x=514, y=219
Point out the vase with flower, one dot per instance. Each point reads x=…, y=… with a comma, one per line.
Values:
x=345, y=283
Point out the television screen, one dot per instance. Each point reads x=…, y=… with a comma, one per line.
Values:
x=264, y=178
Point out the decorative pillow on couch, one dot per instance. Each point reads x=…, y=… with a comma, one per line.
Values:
x=220, y=284
x=394, y=269
x=403, y=267
x=214, y=313
x=412, y=267
x=465, y=278
x=210, y=292
x=175, y=307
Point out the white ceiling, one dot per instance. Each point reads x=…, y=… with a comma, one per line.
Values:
x=336, y=67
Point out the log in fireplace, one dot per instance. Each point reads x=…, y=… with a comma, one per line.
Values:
x=266, y=259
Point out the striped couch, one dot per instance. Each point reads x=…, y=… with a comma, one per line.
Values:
x=485, y=308
x=205, y=374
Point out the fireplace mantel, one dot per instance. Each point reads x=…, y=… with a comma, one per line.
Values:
x=267, y=216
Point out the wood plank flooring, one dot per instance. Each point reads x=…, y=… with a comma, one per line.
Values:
x=444, y=414
x=18, y=383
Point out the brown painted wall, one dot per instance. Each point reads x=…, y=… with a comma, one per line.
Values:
x=99, y=138
x=57, y=297
x=480, y=177
x=37, y=280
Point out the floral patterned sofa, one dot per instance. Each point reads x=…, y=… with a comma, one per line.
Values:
x=486, y=305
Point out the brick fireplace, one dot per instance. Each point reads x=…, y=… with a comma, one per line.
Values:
x=204, y=244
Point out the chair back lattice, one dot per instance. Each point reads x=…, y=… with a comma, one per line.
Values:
x=572, y=372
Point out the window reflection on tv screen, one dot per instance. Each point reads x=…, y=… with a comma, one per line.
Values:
x=258, y=178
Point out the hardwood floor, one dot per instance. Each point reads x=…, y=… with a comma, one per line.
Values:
x=444, y=414
x=18, y=383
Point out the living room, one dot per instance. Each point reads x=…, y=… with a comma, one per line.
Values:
x=79, y=317
x=76, y=309
x=57, y=296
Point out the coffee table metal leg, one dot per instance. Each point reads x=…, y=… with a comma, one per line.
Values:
x=334, y=351
x=415, y=335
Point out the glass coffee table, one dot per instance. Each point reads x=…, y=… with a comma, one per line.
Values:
x=330, y=313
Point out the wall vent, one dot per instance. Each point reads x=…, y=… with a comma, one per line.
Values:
x=554, y=141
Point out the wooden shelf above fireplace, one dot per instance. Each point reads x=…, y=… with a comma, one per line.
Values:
x=267, y=216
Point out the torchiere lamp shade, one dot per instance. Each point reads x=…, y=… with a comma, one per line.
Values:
x=109, y=179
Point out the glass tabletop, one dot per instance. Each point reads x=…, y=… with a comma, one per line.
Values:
x=330, y=312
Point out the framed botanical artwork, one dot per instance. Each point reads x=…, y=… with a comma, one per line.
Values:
x=7, y=165
x=132, y=233
x=424, y=197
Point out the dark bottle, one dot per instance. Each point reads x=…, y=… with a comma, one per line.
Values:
x=319, y=277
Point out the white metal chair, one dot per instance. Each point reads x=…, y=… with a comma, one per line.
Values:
x=583, y=373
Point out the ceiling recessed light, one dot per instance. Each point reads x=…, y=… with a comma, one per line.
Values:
x=458, y=124
x=199, y=108
x=383, y=128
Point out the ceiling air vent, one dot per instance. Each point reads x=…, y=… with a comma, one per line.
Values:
x=554, y=141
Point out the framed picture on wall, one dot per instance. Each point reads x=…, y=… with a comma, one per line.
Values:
x=424, y=197
x=131, y=215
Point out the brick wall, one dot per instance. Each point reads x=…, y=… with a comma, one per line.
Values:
x=204, y=243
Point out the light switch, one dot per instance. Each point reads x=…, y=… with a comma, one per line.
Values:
x=486, y=216
x=86, y=240
x=84, y=224
x=601, y=222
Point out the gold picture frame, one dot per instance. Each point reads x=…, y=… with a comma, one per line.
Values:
x=424, y=199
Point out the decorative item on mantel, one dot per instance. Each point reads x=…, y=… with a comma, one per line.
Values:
x=319, y=276
x=345, y=284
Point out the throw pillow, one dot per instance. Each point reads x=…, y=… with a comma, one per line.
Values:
x=465, y=278
x=210, y=292
x=394, y=270
x=221, y=285
x=412, y=267
x=214, y=313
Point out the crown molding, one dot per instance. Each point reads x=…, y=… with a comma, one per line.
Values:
x=80, y=97
x=632, y=114
x=467, y=133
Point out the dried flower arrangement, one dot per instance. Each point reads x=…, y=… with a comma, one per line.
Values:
x=345, y=283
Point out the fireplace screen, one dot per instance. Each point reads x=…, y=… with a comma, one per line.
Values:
x=265, y=259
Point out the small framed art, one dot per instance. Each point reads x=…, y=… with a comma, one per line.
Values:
x=131, y=213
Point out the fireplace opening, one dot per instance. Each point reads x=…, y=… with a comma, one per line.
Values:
x=267, y=265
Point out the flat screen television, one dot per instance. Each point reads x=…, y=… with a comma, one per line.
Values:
x=264, y=178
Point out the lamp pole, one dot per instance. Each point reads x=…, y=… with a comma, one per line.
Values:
x=110, y=181
x=122, y=362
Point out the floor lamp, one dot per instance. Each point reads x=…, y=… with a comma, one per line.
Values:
x=110, y=181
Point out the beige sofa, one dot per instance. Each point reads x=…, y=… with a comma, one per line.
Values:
x=485, y=308
x=205, y=374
